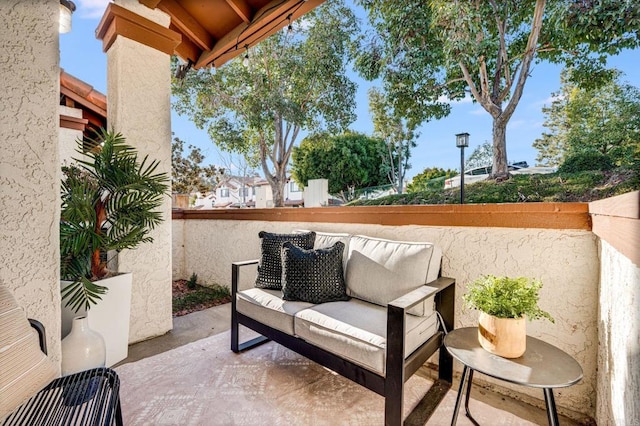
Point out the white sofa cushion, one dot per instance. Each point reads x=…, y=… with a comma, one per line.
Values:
x=357, y=331
x=380, y=271
x=266, y=306
x=328, y=239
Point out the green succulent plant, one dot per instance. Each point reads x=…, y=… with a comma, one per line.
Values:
x=505, y=297
x=110, y=202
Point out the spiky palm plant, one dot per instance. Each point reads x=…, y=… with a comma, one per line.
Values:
x=109, y=202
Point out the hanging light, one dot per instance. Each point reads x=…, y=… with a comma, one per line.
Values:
x=245, y=61
x=67, y=7
x=289, y=27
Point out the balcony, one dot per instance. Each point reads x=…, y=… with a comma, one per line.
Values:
x=590, y=277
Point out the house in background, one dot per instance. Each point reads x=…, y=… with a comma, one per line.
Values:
x=248, y=191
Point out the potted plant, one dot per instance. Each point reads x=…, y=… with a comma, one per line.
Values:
x=109, y=203
x=504, y=303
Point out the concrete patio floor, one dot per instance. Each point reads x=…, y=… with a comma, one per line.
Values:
x=202, y=324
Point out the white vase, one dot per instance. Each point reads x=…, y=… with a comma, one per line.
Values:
x=83, y=348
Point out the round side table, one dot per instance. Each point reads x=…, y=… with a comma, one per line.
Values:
x=542, y=366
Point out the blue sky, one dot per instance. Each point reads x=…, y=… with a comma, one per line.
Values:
x=81, y=56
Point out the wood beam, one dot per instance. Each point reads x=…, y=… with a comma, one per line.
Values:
x=187, y=24
x=242, y=9
x=118, y=20
x=266, y=21
x=79, y=100
x=73, y=123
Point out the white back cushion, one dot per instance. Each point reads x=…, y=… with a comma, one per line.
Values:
x=380, y=271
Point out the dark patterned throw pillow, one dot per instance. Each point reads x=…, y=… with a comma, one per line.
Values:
x=270, y=266
x=313, y=276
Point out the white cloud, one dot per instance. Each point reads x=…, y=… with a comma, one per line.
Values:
x=548, y=101
x=91, y=9
x=478, y=111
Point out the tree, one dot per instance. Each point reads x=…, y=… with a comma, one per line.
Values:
x=425, y=50
x=604, y=120
x=242, y=168
x=187, y=173
x=481, y=156
x=398, y=134
x=422, y=181
x=349, y=161
x=293, y=81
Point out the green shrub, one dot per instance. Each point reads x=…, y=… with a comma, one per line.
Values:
x=192, y=282
x=586, y=161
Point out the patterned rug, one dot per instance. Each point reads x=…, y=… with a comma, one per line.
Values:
x=204, y=383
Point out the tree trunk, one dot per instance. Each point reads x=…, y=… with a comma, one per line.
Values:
x=500, y=168
x=400, y=169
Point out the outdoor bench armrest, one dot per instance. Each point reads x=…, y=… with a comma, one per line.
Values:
x=235, y=274
x=409, y=300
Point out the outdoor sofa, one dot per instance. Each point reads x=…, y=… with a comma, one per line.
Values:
x=392, y=319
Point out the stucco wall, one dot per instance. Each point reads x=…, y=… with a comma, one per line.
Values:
x=68, y=137
x=566, y=262
x=29, y=162
x=138, y=93
x=619, y=335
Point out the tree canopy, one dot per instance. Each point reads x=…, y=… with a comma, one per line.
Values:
x=604, y=120
x=398, y=134
x=187, y=173
x=349, y=161
x=293, y=81
x=427, y=52
x=425, y=179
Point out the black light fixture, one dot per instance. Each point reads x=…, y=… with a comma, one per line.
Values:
x=462, y=141
x=289, y=27
x=245, y=61
x=67, y=7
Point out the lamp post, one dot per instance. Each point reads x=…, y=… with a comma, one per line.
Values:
x=462, y=141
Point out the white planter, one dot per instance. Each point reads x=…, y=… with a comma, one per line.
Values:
x=505, y=337
x=109, y=317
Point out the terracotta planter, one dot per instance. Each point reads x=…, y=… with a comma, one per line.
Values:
x=505, y=337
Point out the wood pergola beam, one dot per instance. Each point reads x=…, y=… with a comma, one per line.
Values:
x=266, y=21
x=242, y=9
x=187, y=24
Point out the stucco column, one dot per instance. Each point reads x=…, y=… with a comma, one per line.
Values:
x=29, y=160
x=138, y=98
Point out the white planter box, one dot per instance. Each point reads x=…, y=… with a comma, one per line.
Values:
x=109, y=317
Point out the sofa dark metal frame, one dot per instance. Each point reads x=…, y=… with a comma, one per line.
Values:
x=87, y=398
x=398, y=368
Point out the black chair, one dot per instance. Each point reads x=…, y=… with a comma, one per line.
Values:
x=89, y=397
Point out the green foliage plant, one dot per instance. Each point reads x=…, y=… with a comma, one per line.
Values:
x=506, y=297
x=349, y=161
x=110, y=201
x=192, y=282
x=586, y=161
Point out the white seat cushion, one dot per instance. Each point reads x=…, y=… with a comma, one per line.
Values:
x=356, y=330
x=24, y=368
x=267, y=307
x=380, y=271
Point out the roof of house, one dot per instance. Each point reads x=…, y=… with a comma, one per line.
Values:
x=76, y=93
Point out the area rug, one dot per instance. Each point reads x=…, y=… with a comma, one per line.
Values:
x=204, y=383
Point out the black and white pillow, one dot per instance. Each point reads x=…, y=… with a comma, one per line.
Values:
x=270, y=266
x=313, y=276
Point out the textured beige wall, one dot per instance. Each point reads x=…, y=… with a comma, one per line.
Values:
x=619, y=335
x=68, y=137
x=29, y=162
x=566, y=262
x=138, y=93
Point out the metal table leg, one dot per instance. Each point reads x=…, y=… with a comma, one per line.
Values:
x=463, y=378
x=552, y=414
x=466, y=399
